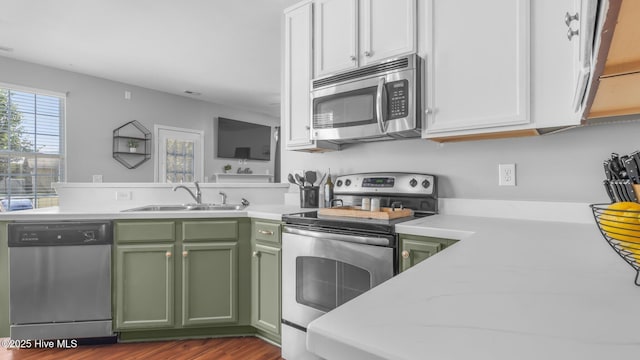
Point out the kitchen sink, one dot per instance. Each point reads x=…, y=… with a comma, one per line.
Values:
x=189, y=207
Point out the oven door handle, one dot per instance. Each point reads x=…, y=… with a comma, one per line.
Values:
x=380, y=241
x=379, y=112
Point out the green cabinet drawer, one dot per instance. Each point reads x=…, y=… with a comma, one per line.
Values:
x=209, y=230
x=266, y=231
x=145, y=231
x=415, y=249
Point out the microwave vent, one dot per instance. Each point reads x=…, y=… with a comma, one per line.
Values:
x=377, y=69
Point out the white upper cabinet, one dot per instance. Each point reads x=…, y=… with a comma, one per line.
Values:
x=387, y=29
x=559, y=70
x=298, y=65
x=335, y=35
x=353, y=33
x=477, y=65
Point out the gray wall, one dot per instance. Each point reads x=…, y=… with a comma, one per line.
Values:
x=96, y=106
x=566, y=166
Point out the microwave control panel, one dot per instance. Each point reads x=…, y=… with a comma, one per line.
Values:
x=398, y=99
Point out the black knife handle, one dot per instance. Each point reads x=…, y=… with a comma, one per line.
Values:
x=607, y=170
x=631, y=191
x=632, y=169
x=607, y=187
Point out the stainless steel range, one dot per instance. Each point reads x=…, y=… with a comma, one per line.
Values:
x=329, y=260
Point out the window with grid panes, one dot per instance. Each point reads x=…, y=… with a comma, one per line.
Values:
x=31, y=147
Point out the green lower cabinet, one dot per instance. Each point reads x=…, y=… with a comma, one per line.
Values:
x=415, y=249
x=265, y=288
x=144, y=286
x=209, y=283
x=172, y=275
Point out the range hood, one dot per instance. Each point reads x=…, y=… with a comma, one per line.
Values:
x=614, y=88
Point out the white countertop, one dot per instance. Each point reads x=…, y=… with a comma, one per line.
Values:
x=510, y=289
x=268, y=212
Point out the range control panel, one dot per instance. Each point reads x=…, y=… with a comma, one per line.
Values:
x=389, y=183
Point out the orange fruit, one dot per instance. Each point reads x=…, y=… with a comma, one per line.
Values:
x=621, y=222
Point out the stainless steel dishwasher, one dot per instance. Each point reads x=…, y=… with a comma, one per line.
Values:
x=60, y=279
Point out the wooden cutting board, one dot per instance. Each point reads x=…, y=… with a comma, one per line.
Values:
x=385, y=213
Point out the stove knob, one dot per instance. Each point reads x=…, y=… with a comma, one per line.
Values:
x=425, y=184
x=347, y=182
x=413, y=182
x=339, y=183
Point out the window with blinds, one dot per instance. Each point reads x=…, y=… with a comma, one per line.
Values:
x=31, y=148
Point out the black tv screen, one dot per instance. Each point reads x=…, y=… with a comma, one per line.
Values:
x=243, y=140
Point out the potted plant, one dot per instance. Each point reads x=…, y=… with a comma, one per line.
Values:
x=133, y=145
x=227, y=168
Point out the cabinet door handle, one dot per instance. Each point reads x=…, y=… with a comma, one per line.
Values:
x=265, y=232
x=256, y=253
x=367, y=53
x=168, y=254
x=185, y=253
x=405, y=254
x=571, y=33
x=568, y=18
x=353, y=58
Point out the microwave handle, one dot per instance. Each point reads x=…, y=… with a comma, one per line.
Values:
x=379, y=97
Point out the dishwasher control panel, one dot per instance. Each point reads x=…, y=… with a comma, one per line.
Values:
x=60, y=233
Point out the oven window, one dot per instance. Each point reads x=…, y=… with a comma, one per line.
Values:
x=325, y=284
x=345, y=109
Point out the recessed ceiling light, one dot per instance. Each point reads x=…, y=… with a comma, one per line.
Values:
x=195, y=93
x=6, y=49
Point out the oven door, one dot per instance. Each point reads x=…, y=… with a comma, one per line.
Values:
x=368, y=108
x=321, y=271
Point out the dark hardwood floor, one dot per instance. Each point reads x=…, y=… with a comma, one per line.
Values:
x=245, y=348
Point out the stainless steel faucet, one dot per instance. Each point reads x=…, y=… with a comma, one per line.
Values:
x=224, y=197
x=197, y=197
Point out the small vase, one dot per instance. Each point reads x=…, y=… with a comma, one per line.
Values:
x=132, y=149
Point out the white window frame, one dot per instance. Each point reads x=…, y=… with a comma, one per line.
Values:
x=63, y=121
x=198, y=166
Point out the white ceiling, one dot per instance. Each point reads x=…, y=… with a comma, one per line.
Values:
x=227, y=50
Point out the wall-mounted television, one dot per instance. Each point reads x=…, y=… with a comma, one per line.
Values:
x=243, y=140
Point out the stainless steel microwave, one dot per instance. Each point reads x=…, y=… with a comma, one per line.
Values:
x=376, y=102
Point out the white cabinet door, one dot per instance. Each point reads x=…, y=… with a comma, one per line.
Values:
x=335, y=36
x=387, y=28
x=298, y=65
x=297, y=75
x=556, y=73
x=477, y=69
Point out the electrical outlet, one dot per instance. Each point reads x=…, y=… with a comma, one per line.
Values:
x=507, y=174
x=123, y=195
x=97, y=178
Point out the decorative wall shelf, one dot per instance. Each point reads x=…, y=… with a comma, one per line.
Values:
x=124, y=139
